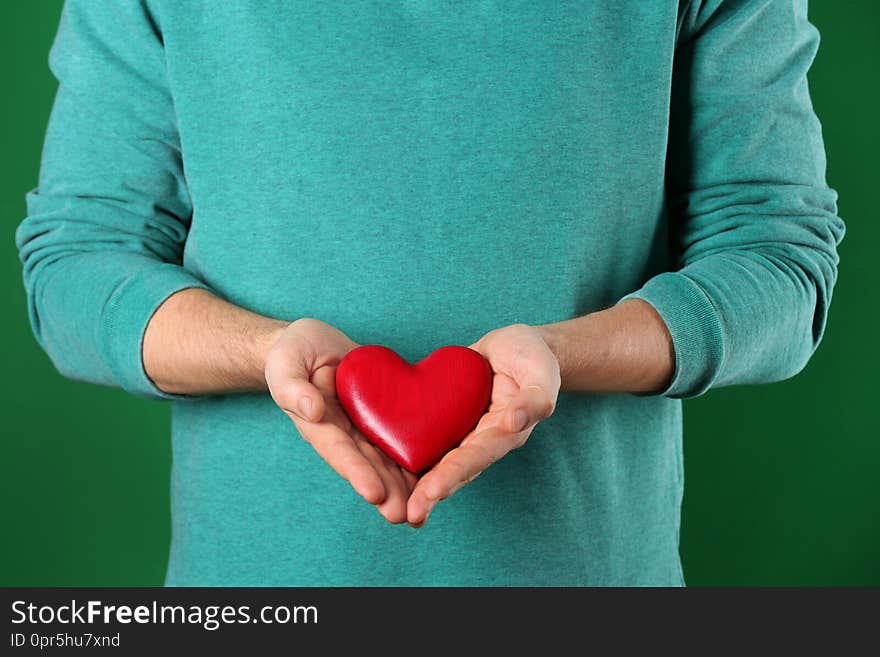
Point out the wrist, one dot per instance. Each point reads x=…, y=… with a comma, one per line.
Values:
x=267, y=335
x=579, y=349
x=553, y=337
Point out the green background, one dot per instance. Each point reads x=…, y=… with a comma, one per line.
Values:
x=783, y=481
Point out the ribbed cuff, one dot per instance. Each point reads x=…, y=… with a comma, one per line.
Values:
x=124, y=322
x=696, y=331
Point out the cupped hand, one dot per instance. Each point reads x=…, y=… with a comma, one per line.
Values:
x=525, y=387
x=301, y=374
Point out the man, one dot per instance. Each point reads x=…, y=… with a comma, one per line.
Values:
x=620, y=205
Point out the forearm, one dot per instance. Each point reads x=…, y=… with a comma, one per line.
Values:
x=197, y=343
x=625, y=348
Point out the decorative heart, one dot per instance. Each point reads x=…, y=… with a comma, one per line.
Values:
x=414, y=413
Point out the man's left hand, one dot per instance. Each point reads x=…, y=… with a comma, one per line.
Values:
x=526, y=383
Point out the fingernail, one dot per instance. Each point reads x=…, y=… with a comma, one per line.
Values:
x=305, y=406
x=520, y=419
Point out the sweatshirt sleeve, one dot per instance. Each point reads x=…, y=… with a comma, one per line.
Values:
x=754, y=224
x=103, y=237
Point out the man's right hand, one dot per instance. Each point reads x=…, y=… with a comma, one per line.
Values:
x=301, y=374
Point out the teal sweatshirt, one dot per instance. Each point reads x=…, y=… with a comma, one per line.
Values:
x=417, y=173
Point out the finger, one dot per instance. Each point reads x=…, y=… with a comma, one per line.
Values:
x=338, y=449
x=290, y=386
x=393, y=508
x=460, y=466
x=531, y=404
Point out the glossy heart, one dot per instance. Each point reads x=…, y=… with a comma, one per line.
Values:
x=415, y=413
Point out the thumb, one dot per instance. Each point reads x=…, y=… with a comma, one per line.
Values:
x=289, y=383
x=531, y=405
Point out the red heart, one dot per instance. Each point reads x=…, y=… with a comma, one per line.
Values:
x=414, y=413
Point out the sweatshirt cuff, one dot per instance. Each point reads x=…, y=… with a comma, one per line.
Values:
x=696, y=331
x=124, y=323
